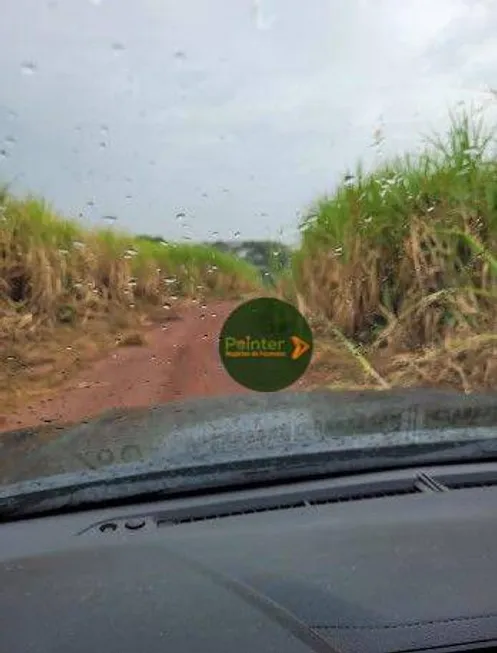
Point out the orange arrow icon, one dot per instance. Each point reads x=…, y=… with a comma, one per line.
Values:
x=299, y=347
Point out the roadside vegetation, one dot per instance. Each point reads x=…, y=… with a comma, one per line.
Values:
x=396, y=271
x=67, y=292
x=268, y=256
x=398, y=268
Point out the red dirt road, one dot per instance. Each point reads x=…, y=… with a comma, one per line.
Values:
x=179, y=360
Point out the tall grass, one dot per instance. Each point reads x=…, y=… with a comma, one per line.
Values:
x=398, y=265
x=55, y=270
x=405, y=257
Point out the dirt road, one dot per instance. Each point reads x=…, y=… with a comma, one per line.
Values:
x=179, y=360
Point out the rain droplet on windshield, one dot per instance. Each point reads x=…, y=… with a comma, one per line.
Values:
x=118, y=47
x=28, y=68
x=3, y=154
x=180, y=215
x=179, y=54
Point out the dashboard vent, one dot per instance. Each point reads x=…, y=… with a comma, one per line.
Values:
x=282, y=499
x=426, y=483
x=291, y=498
x=473, y=479
x=480, y=647
x=288, y=501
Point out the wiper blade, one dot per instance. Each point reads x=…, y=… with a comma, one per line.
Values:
x=156, y=481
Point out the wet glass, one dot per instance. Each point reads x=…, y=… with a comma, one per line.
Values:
x=161, y=163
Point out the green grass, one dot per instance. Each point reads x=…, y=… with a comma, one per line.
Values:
x=398, y=266
x=405, y=256
x=51, y=265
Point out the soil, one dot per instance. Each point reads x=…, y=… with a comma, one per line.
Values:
x=176, y=360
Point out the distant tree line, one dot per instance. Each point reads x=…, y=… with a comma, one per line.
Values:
x=153, y=239
x=269, y=256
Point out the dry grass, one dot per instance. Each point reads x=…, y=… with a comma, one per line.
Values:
x=36, y=362
x=68, y=294
x=400, y=267
x=134, y=339
x=397, y=272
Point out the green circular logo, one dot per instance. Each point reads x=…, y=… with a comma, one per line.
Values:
x=265, y=344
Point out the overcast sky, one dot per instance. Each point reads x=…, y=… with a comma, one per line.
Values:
x=237, y=112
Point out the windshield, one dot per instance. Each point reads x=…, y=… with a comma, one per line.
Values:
x=208, y=203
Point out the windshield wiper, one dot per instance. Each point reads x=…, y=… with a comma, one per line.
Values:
x=154, y=481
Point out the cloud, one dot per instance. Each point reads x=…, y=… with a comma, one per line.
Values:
x=199, y=99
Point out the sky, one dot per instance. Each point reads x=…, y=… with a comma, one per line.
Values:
x=225, y=119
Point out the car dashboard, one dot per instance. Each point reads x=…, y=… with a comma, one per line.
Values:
x=384, y=562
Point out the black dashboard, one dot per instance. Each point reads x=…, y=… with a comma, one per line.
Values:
x=396, y=561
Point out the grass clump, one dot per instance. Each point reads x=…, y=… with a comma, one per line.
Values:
x=133, y=339
x=68, y=293
x=402, y=263
x=56, y=271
